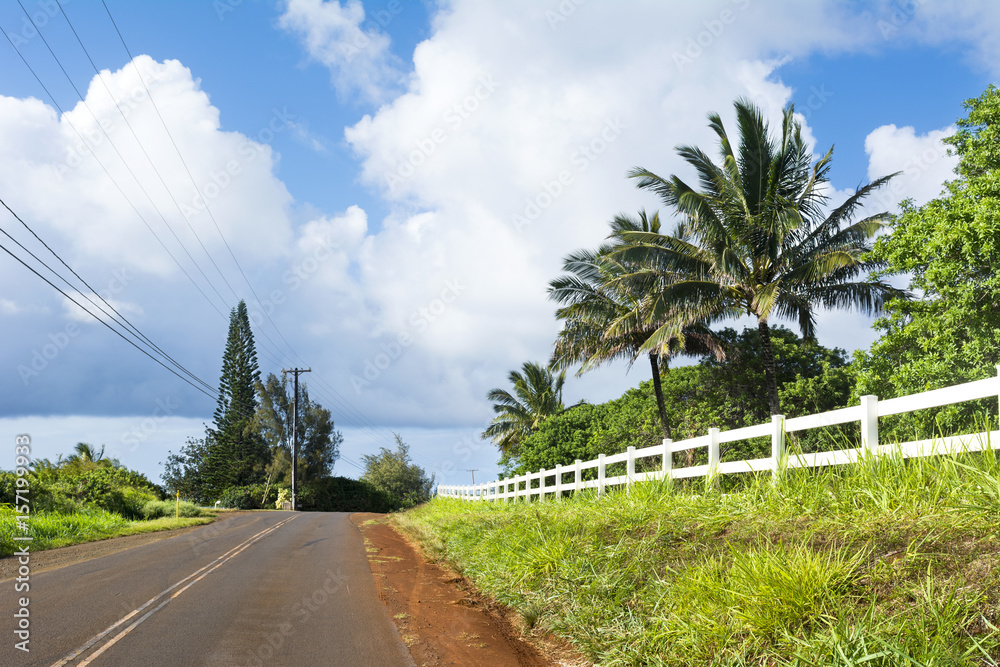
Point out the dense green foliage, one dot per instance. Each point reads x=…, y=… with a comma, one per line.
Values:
x=82, y=498
x=182, y=471
x=81, y=486
x=951, y=248
x=405, y=484
x=156, y=509
x=724, y=394
x=342, y=494
x=883, y=563
x=49, y=530
x=249, y=497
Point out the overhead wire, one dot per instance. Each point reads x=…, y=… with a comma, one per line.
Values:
x=353, y=414
x=336, y=396
x=122, y=320
x=104, y=168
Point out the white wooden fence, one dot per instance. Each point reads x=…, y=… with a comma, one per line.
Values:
x=866, y=414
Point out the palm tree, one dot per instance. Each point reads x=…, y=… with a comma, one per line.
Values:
x=537, y=396
x=87, y=456
x=753, y=241
x=593, y=299
x=86, y=453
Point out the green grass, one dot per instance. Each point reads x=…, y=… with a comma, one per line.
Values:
x=156, y=509
x=51, y=530
x=885, y=562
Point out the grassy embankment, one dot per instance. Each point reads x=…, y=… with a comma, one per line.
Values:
x=55, y=529
x=880, y=563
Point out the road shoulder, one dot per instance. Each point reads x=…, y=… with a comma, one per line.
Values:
x=439, y=614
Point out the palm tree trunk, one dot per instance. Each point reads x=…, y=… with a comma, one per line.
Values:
x=653, y=361
x=769, y=371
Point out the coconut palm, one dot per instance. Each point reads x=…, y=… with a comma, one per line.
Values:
x=537, y=396
x=88, y=456
x=593, y=299
x=753, y=240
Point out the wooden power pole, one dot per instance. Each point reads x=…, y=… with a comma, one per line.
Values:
x=295, y=433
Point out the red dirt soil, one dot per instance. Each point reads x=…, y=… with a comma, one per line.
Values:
x=440, y=616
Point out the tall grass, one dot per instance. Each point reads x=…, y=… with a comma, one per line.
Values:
x=50, y=529
x=882, y=562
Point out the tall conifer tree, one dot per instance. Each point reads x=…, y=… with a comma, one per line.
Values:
x=237, y=453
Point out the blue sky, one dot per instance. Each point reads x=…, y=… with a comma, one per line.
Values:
x=382, y=154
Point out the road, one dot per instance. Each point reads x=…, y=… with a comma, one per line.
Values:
x=262, y=588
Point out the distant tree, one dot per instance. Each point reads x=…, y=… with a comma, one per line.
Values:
x=950, y=247
x=391, y=472
x=319, y=443
x=87, y=456
x=183, y=471
x=537, y=395
x=237, y=454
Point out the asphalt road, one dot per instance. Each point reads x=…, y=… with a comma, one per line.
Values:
x=263, y=588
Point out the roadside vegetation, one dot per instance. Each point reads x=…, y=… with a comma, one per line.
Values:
x=86, y=497
x=881, y=563
x=244, y=460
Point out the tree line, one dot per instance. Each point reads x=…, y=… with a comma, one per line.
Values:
x=244, y=460
x=757, y=237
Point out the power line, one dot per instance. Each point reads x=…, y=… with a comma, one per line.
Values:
x=112, y=178
x=352, y=413
x=208, y=209
x=129, y=168
x=126, y=324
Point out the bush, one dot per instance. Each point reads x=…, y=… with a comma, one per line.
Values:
x=341, y=494
x=251, y=497
x=155, y=509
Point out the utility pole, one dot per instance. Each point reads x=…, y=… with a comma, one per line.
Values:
x=473, y=475
x=295, y=432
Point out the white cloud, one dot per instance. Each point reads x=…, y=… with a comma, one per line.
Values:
x=923, y=160
x=55, y=169
x=357, y=53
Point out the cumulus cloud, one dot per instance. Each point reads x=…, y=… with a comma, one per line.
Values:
x=923, y=161
x=357, y=52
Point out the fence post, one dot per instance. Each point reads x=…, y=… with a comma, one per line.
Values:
x=578, y=476
x=558, y=481
x=541, y=485
x=777, y=444
x=668, y=459
x=713, y=454
x=998, y=393
x=600, y=474
x=869, y=422
x=629, y=466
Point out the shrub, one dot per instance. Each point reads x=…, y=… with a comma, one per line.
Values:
x=250, y=497
x=155, y=509
x=341, y=494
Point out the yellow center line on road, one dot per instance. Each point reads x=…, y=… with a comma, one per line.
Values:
x=195, y=576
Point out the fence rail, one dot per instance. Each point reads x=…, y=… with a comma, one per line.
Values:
x=866, y=415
